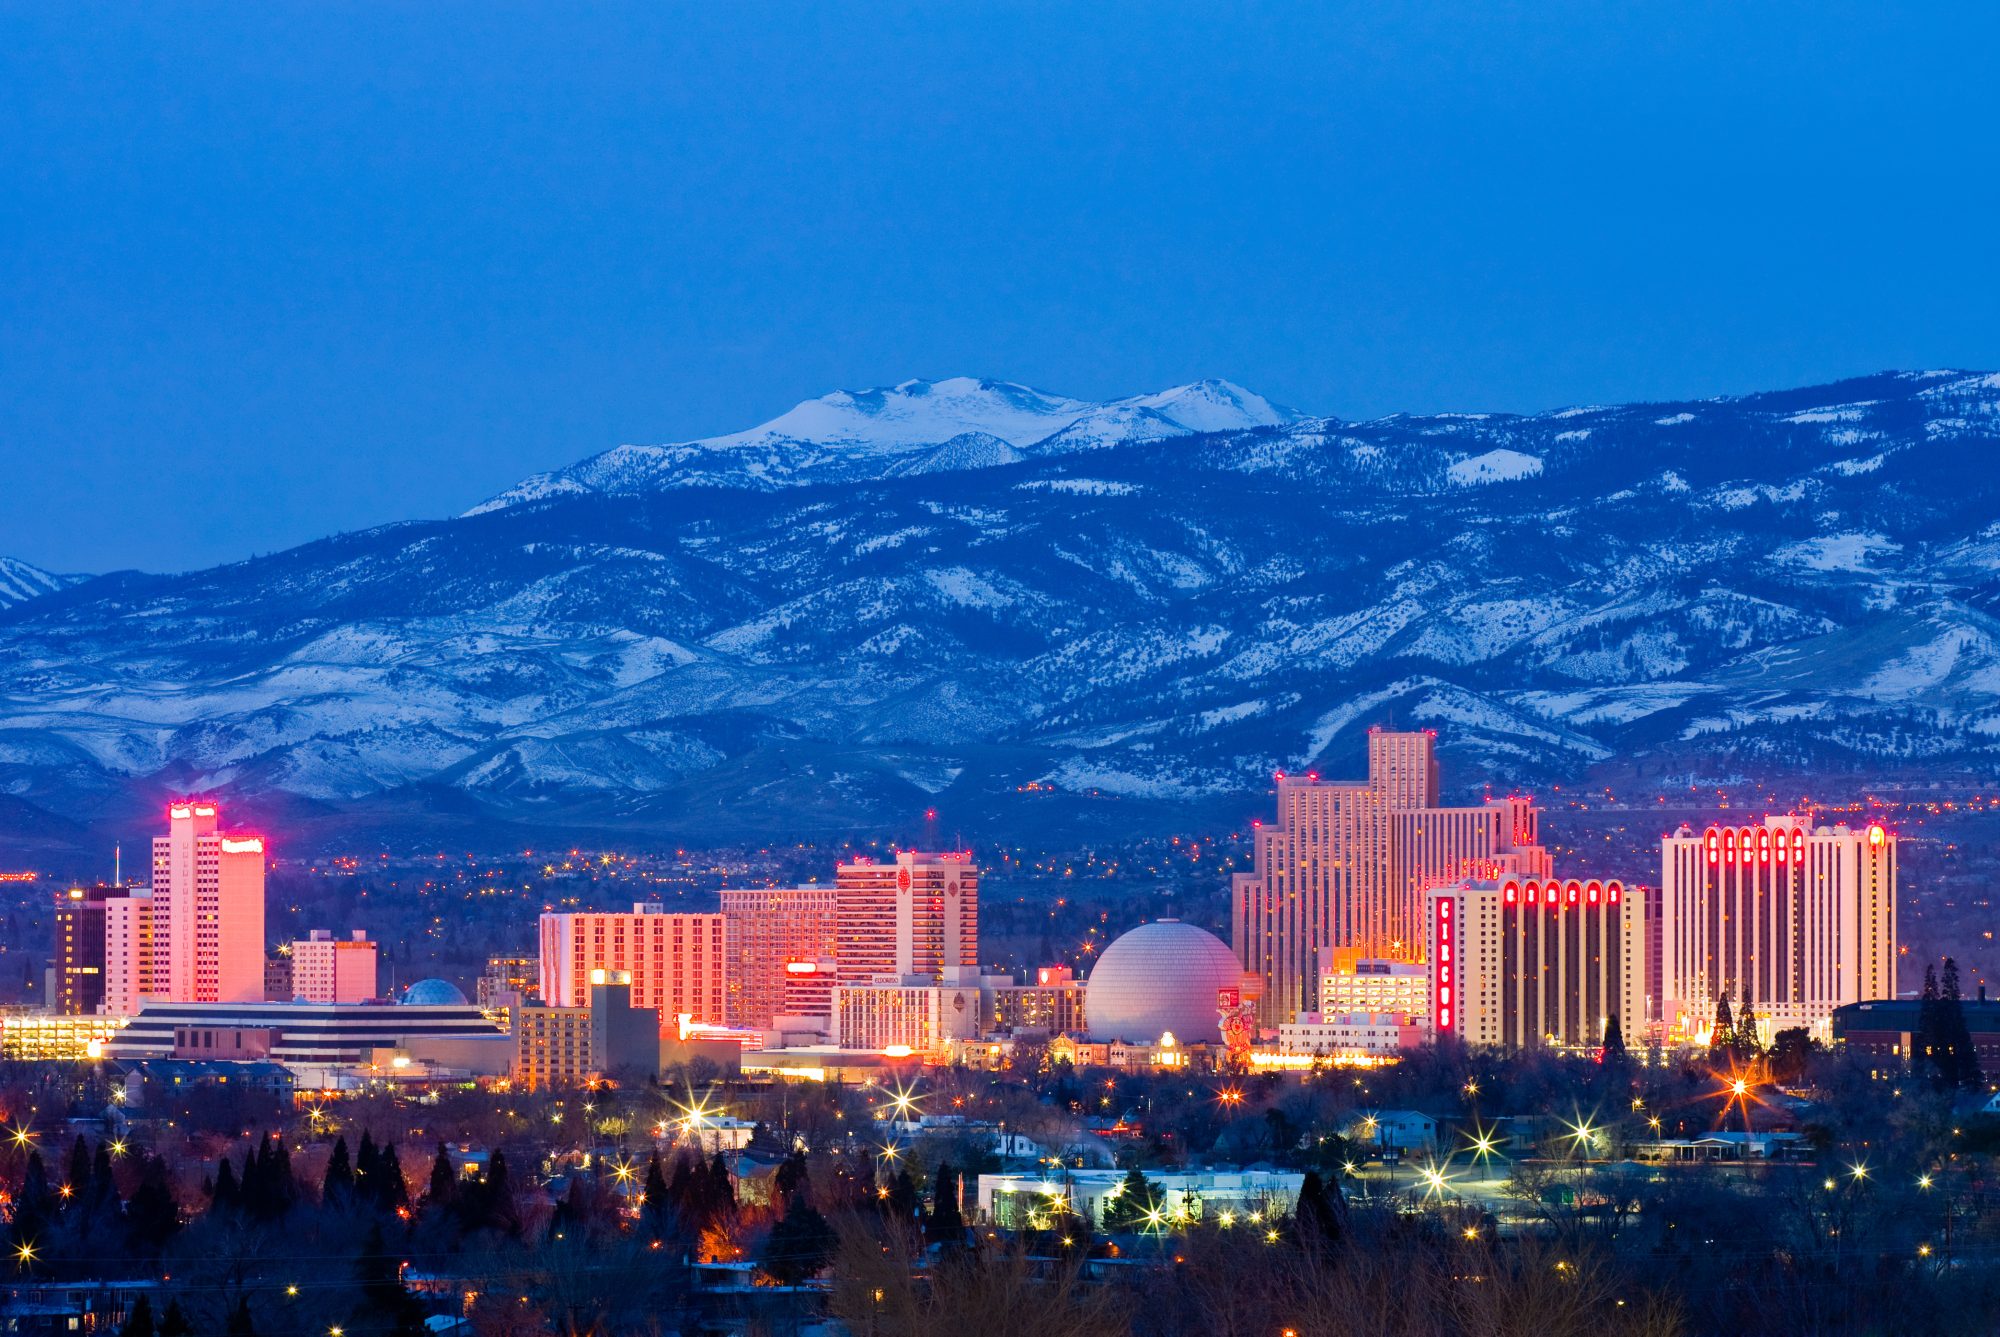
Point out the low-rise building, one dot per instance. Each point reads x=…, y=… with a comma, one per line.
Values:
x=1051, y=1005
x=1376, y=986
x=1349, y=1034
x=561, y=1048
x=298, y=1032
x=1888, y=1029
x=1023, y=1201
x=326, y=969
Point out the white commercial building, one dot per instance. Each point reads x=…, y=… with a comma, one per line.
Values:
x=1801, y=919
x=1349, y=1034
x=1377, y=986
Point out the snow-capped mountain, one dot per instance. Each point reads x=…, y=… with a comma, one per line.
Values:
x=975, y=617
x=20, y=581
x=855, y=434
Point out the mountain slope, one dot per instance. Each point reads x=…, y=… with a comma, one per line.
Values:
x=1793, y=583
x=20, y=582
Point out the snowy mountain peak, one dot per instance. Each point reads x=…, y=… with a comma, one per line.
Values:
x=854, y=434
x=1215, y=406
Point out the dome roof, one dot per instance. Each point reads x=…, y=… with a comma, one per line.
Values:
x=1160, y=977
x=433, y=993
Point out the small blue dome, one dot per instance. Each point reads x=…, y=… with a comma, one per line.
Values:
x=433, y=993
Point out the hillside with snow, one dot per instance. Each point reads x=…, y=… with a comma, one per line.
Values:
x=1029, y=610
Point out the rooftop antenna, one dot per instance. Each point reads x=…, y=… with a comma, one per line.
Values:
x=117, y=865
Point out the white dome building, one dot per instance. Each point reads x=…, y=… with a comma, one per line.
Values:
x=1160, y=977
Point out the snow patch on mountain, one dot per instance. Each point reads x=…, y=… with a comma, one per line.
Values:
x=1495, y=466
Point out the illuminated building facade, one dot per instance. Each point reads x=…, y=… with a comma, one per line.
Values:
x=809, y=988
x=914, y=1015
x=517, y=975
x=32, y=1036
x=326, y=969
x=128, y=951
x=1377, y=986
x=1052, y=1004
x=677, y=961
x=1341, y=874
x=918, y=915
x=561, y=1048
x=81, y=941
x=1525, y=962
x=1801, y=918
x=765, y=929
x=207, y=911
x=1337, y=1035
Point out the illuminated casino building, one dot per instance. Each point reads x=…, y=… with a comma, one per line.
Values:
x=204, y=938
x=917, y=915
x=1341, y=874
x=81, y=914
x=766, y=929
x=1800, y=918
x=1526, y=962
x=676, y=960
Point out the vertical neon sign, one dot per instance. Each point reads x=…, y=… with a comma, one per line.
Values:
x=1441, y=970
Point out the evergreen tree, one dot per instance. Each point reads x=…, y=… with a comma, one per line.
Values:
x=1136, y=1200
x=946, y=1224
x=791, y=1178
x=686, y=1194
x=381, y=1305
x=103, y=1184
x=799, y=1246
x=1723, y=1038
x=1320, y=1216
x=721, y=1195
x=1744, y=1045
x=904, y=1204
x=152, y=1216
x=139, y=1323
x=227, y=1196
x=1614, y=1043
x=1961, y=1059
x=284, y=1188
x=489, y=1205
x=443, y=1193
x=1927, y=1045
x=79, y=1173
x=654, y=1203
x=239, y=1320
x=389, y=1190
x=175, y=1322
x=35, y=1206
x=366, y=1169
x=337, y=1189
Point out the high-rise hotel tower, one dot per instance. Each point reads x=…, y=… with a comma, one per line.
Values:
x=206, y=912
x=1343, y=871
x=1800, y=918
x=918, y=915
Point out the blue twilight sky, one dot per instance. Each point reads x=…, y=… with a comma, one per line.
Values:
x=271, y=271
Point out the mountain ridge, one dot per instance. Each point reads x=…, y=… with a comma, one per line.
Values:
x=1800, y=583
